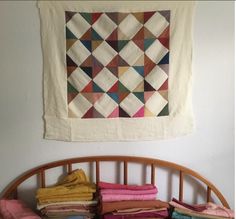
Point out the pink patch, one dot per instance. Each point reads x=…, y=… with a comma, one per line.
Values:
x=115, y=113
x=140, y=113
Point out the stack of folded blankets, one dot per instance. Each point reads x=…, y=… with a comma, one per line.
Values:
x=71, y=198
x=209, y=210
x=119, y=201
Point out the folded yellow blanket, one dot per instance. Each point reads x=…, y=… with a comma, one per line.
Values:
x=61, y=190
x=74, y=187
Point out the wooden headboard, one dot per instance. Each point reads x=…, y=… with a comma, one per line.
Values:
x=11, y=190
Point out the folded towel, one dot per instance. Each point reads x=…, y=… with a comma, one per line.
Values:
x=107, y=207
x=63, y=198
x=105, y=185
x=128, y=191
x=111, y=197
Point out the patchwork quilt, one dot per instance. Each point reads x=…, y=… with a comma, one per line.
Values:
x=116, y=70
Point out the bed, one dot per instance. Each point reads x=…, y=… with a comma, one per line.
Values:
x=95, y=164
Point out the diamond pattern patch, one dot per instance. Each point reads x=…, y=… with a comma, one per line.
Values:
x=117, y=64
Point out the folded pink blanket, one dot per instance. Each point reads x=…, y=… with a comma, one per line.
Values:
x=128, y=191
x=105, y=185
x=116, y=197
x=16, y=209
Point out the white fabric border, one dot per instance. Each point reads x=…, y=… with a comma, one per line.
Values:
x=57, y=124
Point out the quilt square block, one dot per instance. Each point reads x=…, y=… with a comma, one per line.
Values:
x=117, y=64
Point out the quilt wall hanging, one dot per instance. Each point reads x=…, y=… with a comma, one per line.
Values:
x=116, y=70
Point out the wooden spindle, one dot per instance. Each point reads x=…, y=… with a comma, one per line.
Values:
x=181, y=175
x=42, y=179
x=125, y=172
x=208, y=194
x=69, y=168
x=152, y=174
x=97, y=172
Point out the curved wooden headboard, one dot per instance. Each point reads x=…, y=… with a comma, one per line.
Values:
x=11, y=190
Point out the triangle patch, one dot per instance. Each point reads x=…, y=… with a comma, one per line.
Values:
x=164, y=38
x=97, y=66
x=114, y=88
x=88, y=96
x=166, y=14
x=164, y=94
x=148, y=15
x=140, y=87
x=113, y=36
x=70, y=97
x=71, y=88
x=95, y=17
x=165, y=111
x=139, y=113
x=88, y=114
x=148, y=94
x=121, y=17
x=122, y=44
x=70, y=62
x=122, y=96
x=148, y=113
x=95, y=35
x=113, y=70
x=113, y=44
x=87, y=70
x=148, y=65
x=87, y=44
x=115, y=113
x=148, y=34
x=87, y=17
x=96, y=88
x=69, y=15
x=122, y=88
x=69, y=34
x=139, y=69
x=71, y=114
x=114, y=96
x=122, y=62
x=148, y=87
x=138, y=16
x=87, y=35
x=164, y=60
x=113, y=16
x=148, y=43
x=165, y=68
x=88, y=62
x=164, y=86
x=139, y=35
x=96, y=114
x=88, y=88
x=140, y=61
x=69, y=43
x=140, y=44
x=122, y=113
x=70, y=70
x=95, y=44
x=139, y=95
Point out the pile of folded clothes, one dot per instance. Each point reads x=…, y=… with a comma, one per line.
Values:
x=71, y=198
x=181, y=210
x=119, y=201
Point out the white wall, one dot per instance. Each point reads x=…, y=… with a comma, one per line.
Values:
x=209, y=150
